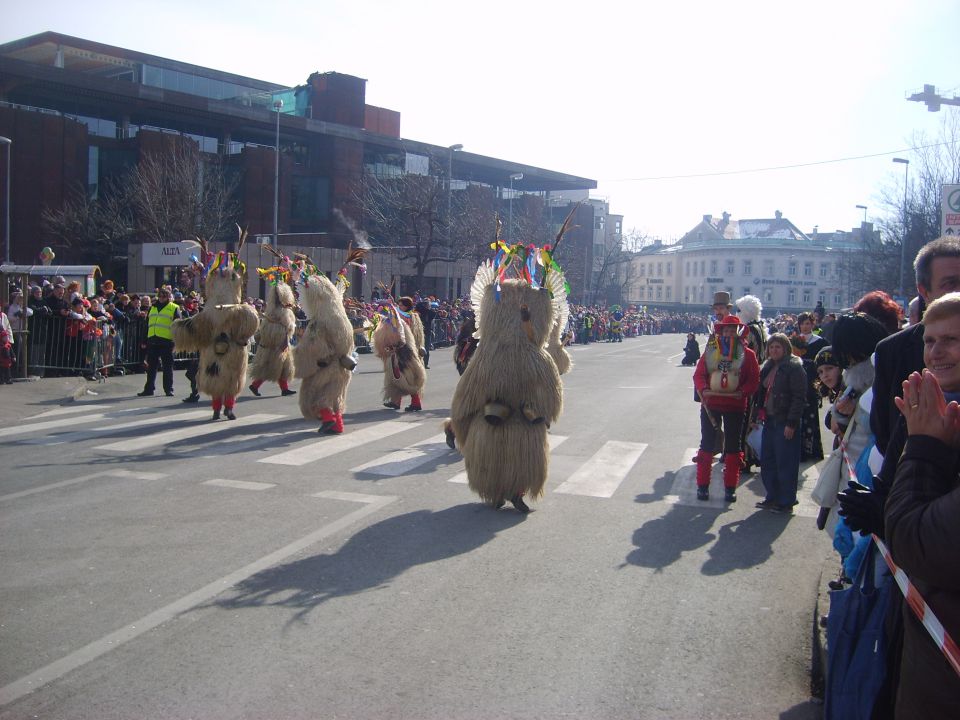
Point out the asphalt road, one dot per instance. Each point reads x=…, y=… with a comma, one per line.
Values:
x=156, y=564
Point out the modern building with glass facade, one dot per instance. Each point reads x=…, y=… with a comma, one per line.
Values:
x=79, y=112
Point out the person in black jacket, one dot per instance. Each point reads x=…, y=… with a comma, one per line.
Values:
x=921, y=515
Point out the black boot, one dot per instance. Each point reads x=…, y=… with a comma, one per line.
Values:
x=729, y=495
x=194, y=397
x=703, y=492
x=255, y=390
x=288, y=392
x=229, y=413
x=519, y=504
x=216, y=414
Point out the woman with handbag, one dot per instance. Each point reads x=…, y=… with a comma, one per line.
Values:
x=783, y=388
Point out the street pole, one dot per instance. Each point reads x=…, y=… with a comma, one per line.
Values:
x=903, y=240
x=6, y=255
x=448, y=290
x=513, y=176
x=277, y=105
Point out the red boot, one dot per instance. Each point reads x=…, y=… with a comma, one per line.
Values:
x=328, y=421
x=337, y=424
x=731, y=476
x=414, y=405
x=704, y=460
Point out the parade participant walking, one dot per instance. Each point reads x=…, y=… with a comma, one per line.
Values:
x=725, y=378
x=273, y=360
x=784, y=393
x=691, y=351
x=221, y=331
x=511, y=390
x=324, y=355
x=398, y=341
x=160, y=342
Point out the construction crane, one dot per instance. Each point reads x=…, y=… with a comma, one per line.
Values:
x=933, y=101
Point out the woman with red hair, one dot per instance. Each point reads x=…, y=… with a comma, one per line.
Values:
x=882, y=308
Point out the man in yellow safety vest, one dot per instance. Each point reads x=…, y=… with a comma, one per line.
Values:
x=160, y=342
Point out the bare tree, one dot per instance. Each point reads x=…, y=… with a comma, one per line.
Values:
x=935, y=161
x=179, y=193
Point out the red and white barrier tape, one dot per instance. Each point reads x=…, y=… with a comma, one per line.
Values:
x=916, y=602
x=920, y=608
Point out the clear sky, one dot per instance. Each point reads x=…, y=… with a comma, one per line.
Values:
x=620, y=92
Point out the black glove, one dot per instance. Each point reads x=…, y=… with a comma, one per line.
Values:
x=861, y=509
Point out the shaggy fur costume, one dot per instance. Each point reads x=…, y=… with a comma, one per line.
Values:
x=398, y=341
x=323, y=355
x=508, y=394
x=555, y=344
x=274, y=359
x=220, y=333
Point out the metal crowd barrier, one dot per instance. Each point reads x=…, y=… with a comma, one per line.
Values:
x=55, y=345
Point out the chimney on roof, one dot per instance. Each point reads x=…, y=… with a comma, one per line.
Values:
x=707, y=218
x=778, y=215
x=726, y=217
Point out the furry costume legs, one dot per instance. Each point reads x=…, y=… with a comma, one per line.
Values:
x=226, y=402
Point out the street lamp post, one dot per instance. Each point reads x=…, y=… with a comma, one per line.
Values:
x=513, y=176
x=864, y=208
x=6, y=255
x=903, y=240
x=450, y=150
x=277, y=105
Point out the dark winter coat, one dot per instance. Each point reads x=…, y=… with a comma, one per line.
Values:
x=923, y=532
x=789, y=390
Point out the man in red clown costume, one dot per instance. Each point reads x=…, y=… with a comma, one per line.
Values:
x=726, y=377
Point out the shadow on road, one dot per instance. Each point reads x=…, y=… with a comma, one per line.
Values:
x=660, y=542
x=745, y=543
x=371, y=558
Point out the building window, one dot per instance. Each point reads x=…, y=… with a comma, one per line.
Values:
x=713, y=267
x=836, y=300
x=767, y=295
x=659, y=269
x=806, y=298
x=643, y=269
x=791, y=297
x=687, y=266
x=808, y=269
x=701, y=293
x=650, y=269
x=669, y=293
x=669, y=268
x=686, y=295
x=768, y=268
x=659, y=291
x=792, y=269
x=695, y=268
x=822, y=298
x=746, y=291
x=730, y=266
x=824, y=269
x=703, y=267
x=748, y=267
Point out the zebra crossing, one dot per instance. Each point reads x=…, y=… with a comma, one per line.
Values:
x=120, y=430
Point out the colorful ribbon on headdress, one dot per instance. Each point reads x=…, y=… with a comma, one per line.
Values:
x=275, y=274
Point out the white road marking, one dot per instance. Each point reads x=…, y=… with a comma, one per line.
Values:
x=601, y=475
x=129, y=424
x=74, y=481
x=239, y=484
x=70, y=410
x=46, y=425
x=57, y=669
x=410, y=458
x=634, y=387
x=338, y=443
x=554, y=441
x=191, y=431
x=683, y=491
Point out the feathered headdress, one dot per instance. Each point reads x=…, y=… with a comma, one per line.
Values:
x=281, y=272
x=222, y=262
x=528, y=263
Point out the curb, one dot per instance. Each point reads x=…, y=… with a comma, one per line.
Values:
x=818, y=667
